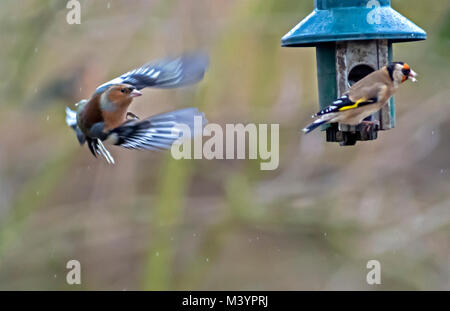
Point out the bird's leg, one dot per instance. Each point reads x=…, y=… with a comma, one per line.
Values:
x=132, y=116
x=370, y=125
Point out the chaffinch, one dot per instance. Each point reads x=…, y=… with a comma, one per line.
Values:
x=365, y=97
x=105, y=116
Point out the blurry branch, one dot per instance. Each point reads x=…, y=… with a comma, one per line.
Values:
x=407, y=231
x=65, y=88
x=167, y=216
x=208, y=253
x=240, y=209
x=29, y=36
x=33, y=194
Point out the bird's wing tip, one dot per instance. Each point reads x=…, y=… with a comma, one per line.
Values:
x=71, y=117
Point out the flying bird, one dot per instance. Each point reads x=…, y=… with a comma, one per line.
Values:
x=104, y=117
x=365, y=97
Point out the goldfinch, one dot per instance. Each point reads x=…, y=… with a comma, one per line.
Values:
x=105, y=116
x=365, y=97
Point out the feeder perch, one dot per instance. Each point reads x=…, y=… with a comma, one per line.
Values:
x=352, y=38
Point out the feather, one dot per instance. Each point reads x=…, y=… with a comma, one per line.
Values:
x=345, y=103
x=71, y=117
x=166, y=73
x=155, y=133
x=312, y=126
x=71, y=120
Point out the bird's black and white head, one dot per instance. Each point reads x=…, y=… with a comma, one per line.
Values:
x=400, y=72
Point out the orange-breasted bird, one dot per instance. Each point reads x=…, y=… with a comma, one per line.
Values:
x=365, y=97
x=105, y=117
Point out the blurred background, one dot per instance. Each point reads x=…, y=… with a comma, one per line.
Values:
x=153, y=223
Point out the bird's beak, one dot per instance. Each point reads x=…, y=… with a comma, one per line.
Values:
x=412, y=75
x=135, y=93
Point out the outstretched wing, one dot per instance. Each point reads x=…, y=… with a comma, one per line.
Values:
x=166, y=73
x=155, y=133
x=345, y=103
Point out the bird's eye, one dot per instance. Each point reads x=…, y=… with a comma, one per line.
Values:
x=123, y=90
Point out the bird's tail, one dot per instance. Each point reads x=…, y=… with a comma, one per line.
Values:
x=181, y=71
x=157, y=132
x=312, y=126
x=71, y=120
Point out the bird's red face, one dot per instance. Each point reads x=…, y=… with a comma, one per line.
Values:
x=408, y=73
x=123, y=92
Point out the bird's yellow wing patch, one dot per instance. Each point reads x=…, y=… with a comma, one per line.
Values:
x=345, y=103
x=355, y=105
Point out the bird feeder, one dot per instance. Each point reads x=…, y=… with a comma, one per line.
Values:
x=352, y=39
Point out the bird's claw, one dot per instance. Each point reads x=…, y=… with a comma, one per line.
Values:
x=368, y=126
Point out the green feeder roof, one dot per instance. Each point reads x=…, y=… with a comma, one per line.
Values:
x=341, y=20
